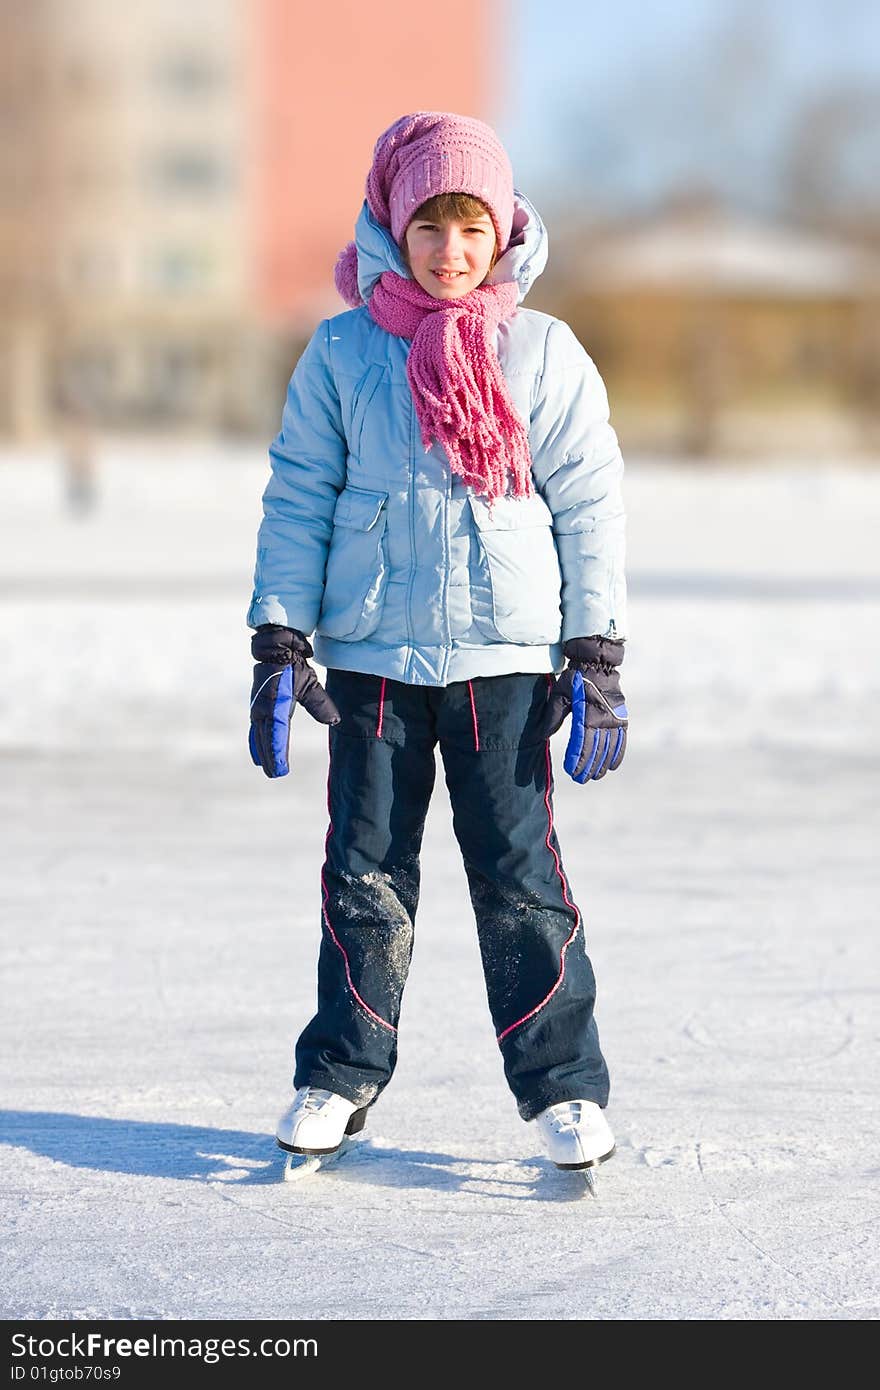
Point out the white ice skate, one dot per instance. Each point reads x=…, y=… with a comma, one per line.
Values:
x=316, y=1129
x=577, y=1136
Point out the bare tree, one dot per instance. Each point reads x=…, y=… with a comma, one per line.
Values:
x=830, y=166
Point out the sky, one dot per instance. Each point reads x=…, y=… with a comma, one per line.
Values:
x=618, y=101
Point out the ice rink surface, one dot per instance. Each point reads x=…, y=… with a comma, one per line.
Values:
x=160, y=905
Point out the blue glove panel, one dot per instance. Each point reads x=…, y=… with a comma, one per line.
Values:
x=591, y=751
x=271, y=711
x=282, y=711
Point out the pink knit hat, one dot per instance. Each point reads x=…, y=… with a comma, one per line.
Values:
x=430, y=152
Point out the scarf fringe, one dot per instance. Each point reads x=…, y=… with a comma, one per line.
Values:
x=479, y=429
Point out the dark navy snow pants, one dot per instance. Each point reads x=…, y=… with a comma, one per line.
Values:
x=539, y=979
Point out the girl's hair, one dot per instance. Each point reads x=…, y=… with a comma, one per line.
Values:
x=448, y=207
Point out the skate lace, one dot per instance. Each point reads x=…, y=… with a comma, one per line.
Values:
x=317, y=1099
x=567, y=1115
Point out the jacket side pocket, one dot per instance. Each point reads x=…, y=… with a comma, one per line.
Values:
x=357, y=566
x=517, y=571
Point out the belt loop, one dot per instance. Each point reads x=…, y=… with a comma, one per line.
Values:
x=381, y=709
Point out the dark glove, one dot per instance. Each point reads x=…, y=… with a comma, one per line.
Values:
x=589, y=690
x=282, y=677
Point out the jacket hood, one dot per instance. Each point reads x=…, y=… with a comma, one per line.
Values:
x=522, y=262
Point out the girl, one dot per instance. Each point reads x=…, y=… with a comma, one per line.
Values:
x=445, y=515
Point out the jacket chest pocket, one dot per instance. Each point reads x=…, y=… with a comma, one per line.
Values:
x=360, y=404
x=515, y=574
x=357, y=566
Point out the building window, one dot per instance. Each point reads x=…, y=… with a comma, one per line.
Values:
x=176, y=378
x=176, y=269
x=92, y=268
x=86, y=380
x=183, y=171
x=187, y=74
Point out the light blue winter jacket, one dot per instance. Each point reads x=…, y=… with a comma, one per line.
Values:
x=395, y=565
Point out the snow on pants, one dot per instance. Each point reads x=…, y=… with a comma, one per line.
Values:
x=539, y=979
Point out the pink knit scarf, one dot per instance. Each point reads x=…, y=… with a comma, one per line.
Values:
x=461, y=397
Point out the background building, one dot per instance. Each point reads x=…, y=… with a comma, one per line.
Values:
x=725, y=332
x=178, y=180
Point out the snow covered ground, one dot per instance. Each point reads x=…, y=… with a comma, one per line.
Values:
x=160, y=911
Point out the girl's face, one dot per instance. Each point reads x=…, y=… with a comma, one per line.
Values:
x=464, y=248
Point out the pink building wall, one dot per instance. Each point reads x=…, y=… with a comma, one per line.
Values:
x=323, y=81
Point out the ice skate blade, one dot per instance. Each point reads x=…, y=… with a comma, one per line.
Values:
x=587, y=1171
x=301, y=1165
x=590, y=1163
x=297, y=1149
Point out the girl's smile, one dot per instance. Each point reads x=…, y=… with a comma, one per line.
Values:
x=448, y=259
